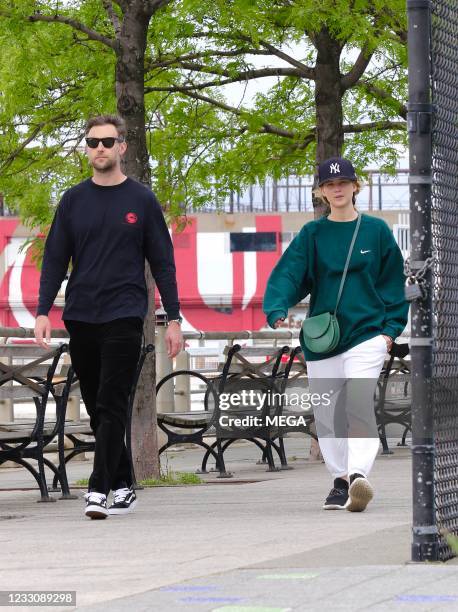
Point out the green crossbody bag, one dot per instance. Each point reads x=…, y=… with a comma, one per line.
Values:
x=321, y=333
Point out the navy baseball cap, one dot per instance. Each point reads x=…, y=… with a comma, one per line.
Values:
x=336, y=168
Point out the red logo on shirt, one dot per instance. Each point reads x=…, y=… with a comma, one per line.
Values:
x=131, y=217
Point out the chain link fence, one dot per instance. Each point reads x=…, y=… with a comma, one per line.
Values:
x=444, y=227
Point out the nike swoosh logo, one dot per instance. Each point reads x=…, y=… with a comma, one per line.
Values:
x=364, y=252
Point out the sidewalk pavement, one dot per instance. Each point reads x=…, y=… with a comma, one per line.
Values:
x=258, y=542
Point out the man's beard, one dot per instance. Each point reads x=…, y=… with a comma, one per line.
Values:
x=109, y=164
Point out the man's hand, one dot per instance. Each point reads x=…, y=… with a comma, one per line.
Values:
x=43, y=331
x=278, y=323
x=173, y=339
x=389, y=342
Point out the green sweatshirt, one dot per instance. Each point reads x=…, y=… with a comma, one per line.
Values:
x=372, y=301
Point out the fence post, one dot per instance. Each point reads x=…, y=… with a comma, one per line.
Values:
x=274, y=195
x=419, y=122
x=6, y=405
x=371, y=191
x=380, y=195
x=182, y=384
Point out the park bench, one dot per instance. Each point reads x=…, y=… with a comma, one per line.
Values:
x=25, y=440
x=288, y=379
x=393, y=402
x=251, y=369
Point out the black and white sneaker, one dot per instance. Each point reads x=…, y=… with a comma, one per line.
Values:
x=338, y=495
x=96, y=505
x=360, y=493
x=124, y=501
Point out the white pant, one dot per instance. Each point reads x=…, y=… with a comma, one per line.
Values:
x=349, y=455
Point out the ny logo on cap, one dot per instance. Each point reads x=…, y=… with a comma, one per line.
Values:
x=334, y=169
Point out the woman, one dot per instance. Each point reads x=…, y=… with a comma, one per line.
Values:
x=371, y=313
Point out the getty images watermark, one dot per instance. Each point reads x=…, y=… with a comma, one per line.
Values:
x=240, y=408
x=338, y=407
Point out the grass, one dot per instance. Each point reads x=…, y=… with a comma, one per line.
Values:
x=172, y=479
x=166, y=480
x=452, y=541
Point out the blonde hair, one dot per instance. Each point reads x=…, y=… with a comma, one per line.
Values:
x=319, y=195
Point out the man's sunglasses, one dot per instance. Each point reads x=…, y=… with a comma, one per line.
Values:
x=108, y=142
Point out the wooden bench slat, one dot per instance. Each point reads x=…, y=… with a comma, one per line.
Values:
x=197, y=418
x=255, y=351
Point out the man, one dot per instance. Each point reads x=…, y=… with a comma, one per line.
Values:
x=107, y=225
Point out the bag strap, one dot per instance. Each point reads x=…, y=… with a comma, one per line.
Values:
x=347, y=263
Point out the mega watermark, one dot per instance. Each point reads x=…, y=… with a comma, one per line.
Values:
x=277, y=420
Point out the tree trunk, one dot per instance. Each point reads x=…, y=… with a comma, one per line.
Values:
x=328, y=101
x=131, y=106
x=130, y=90
x=144, y=423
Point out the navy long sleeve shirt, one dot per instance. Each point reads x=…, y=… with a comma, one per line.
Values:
x=107, y=232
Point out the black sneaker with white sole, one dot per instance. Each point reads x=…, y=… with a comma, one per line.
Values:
x=338, y=495
x=96, y=505
x=360, y=493
x=124, y=501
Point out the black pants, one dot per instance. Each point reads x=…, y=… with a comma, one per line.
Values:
x=104, y=357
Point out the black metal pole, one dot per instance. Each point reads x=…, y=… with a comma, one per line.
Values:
x=380, y=205
x=424, y=529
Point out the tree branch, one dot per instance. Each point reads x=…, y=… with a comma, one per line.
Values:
x=213, y=53
x=307, y=140
x=351, y=129
x=381, y=94
x=76, y=25
x=12, y=156
x=248, y=75
x=351, y=78
x=123, y=4
x=306, y=71
x=389, y=66
x=358, y=69
x=267, y=128
x=152, y=6
x=108, y=6
x=34, y=133
x=374, y=125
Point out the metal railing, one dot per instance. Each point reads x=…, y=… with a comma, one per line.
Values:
x=294, y=194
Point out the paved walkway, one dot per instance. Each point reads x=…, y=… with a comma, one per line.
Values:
x=257, y=543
